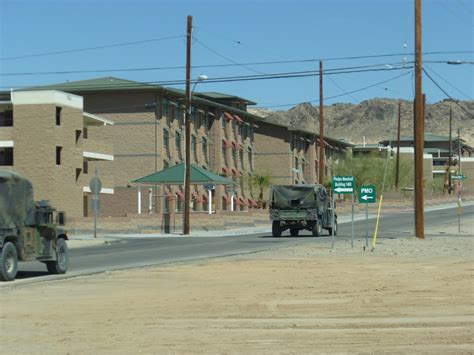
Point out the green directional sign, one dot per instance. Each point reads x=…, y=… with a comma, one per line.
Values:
x=367, y=194
x=343, y=184
x=458, y=177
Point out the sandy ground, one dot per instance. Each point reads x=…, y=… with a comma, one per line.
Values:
x=407, y=296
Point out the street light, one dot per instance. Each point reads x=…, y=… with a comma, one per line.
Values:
x=187, y=155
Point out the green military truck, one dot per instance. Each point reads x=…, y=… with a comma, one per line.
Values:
x=28, y=229
x=298, y=207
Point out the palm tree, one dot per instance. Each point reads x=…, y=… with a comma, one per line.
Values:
x=260, y=182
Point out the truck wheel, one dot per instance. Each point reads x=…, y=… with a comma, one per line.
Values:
x=276, y=229
x=60, y=265
x=8, y=262
x=317, y=229
x=335, y=228
x=294, y=232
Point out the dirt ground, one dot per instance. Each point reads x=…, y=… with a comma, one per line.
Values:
x=408, y=296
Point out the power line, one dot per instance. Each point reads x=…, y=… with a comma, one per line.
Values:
x=227, y=58
x=340, y=95
x=340, y=88
x=92, y=48
x=447, y=82
x=308, y=73
x=446, y=93
x=183, y=67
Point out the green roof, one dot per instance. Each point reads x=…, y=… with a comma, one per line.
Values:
x=428, y=138
x=99, y=84
x=175, y=176
x=220, y=96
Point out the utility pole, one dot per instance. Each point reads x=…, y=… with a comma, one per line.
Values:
x=321, y=125
x=397, y=168
x=187, y=128
x=450, y=161
x=459, y=151
x=419, y=128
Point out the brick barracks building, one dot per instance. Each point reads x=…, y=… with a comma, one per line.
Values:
x=144, y=125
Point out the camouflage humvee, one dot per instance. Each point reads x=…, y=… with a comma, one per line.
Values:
x=28, y=229
x=297, y=207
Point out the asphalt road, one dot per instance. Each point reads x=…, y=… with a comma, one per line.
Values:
x=130, y=253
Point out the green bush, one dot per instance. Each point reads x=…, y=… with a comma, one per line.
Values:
x=369, y=169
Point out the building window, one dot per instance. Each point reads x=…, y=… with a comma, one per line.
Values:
x=241, y=157
x=177, y=112
x=250, y=156
x=165, y=107
x=233, y=125
x=85, y=167
x=166, y=138
x=204, y=149
x=193, y=147
x=223, y=120
x=178, y=141
x=84, y=133
x=234, y=156
x=6, y=118
x=224, y=152
x=58, y=116
x=179, y=204
x=296, y=163
x=78, y=135
x=58, y=155
x=193, y=115
x=6, y=156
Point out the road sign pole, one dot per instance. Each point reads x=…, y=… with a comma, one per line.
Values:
x=333, y=213
x=209, y=201
x=366, y=226
x=352, y=240
x=459, y=205
x=95, y=197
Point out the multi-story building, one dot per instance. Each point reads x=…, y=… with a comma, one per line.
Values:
x=148, y=136
x=291, y=155
x=47, y=137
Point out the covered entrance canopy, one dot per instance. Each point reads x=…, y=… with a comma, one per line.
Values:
x=175, y=176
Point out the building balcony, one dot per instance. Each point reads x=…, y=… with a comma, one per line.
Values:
x=95, y=120
x=96, y=150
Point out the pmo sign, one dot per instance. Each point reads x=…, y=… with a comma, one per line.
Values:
x=367, y=194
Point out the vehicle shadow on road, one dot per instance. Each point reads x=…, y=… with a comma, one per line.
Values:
x=21, y=275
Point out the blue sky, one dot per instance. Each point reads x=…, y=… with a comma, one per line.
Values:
x=242, y=32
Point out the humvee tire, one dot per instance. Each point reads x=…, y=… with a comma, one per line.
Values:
x=276, y=230
x=60, y=265
x=294, y=232
x=317, y=229
x=8, y=262
x=335, y=228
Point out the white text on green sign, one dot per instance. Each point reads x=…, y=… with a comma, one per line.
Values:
x=367, y=194
x=343, y=184
x=458, y=177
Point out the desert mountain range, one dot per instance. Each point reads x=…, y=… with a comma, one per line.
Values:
x=376, y=119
